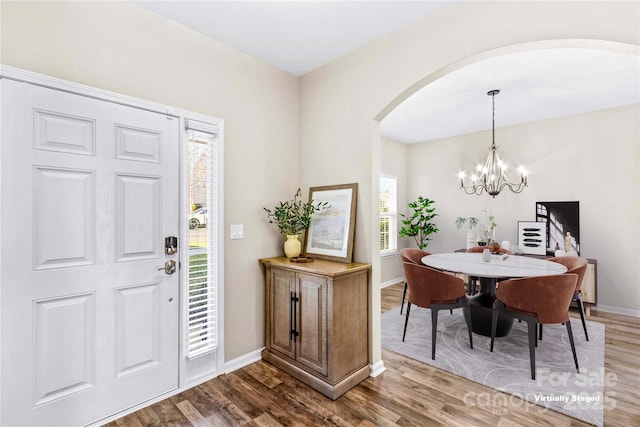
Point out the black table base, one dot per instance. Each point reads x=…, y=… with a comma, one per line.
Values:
x=481, y=306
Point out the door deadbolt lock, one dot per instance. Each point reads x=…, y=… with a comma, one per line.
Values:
x=169, y=267
x=170, y=245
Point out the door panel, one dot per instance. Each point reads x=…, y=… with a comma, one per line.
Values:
x=64, y=232
x=282, y=284
x=64, y=133
x=138, y=333
x=89, y=190
x=138, y=144
x=138, y=210
x=64, y=337
x=312, y=323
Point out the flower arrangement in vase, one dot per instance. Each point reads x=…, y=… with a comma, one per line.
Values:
x=491, y=226
x=292, y=218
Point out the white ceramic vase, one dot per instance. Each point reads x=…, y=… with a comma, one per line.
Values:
x=471, y=240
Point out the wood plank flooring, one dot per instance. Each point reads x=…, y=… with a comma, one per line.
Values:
x=408, y=393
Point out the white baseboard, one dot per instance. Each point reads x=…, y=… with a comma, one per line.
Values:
x=616, y=310
x=377, y=368
x=391, y=282
x=242, y=361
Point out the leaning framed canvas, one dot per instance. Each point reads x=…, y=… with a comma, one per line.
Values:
x=532, y=237
x=330, y=235
x=560, y=218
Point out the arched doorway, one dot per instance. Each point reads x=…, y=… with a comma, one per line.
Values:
x=594, y=45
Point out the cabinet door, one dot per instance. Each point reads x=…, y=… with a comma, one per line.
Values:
x=311, y=350
x=282, y=284
x=589, y=284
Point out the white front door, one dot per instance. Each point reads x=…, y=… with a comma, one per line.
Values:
x=89, y=193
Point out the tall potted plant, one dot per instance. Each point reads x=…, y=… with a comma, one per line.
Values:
x=418, y=225
x=292, y=218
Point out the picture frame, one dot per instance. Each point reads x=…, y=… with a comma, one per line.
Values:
x=560, y=218
x=532, y=237
x=330, y=235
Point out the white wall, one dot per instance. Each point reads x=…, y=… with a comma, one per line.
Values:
x=282, y=132
x=591, y=158
x=338, y=102
x=121, y=47
x=394, y=163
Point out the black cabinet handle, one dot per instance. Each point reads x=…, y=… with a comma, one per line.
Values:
x=293, y=316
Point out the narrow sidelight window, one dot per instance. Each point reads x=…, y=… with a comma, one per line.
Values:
x=202, y=275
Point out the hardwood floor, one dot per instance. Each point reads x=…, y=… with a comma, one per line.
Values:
x=408, y=393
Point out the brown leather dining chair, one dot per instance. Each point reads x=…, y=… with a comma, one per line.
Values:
x=536, y=300
x=575, y=265
x=414, y=256
x=433, y=289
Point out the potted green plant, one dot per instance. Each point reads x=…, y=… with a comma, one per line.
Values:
x=292, y=218
x=471, y=236
x=418, y=225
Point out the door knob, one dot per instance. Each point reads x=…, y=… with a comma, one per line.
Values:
x=169, y=267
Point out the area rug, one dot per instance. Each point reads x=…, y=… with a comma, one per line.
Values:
x=557, y=385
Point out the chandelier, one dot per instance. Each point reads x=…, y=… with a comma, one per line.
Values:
x=491, y=177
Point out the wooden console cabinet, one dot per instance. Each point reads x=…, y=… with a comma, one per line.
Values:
x=317, y=322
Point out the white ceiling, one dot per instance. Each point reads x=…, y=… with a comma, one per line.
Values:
x=295, y=36
x=299, y=36
x=534, y=85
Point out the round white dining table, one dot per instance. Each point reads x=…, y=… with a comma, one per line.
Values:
x=498, y=267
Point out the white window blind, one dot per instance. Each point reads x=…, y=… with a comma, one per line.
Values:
x=202, y=311
x=388, y=215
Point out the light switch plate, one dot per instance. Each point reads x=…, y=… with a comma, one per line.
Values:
x=237, y=231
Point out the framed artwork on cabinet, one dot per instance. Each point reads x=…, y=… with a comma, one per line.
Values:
x=330, y=235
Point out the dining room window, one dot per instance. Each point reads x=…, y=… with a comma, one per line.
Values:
x=388, y=215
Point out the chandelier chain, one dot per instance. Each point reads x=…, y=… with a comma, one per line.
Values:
x=493, y=94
